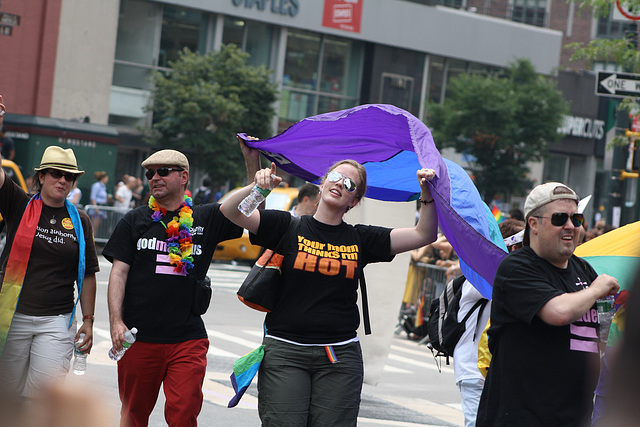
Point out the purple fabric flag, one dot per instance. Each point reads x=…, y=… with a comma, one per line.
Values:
x=392, y=145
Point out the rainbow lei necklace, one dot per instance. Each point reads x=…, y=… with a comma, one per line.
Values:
x=179, y=239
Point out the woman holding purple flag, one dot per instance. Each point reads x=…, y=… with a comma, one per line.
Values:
x=312, y=371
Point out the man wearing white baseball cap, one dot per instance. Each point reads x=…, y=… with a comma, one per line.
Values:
x=544, y=323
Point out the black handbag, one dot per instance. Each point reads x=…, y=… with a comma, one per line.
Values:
x=201, y=296
x=261, y=288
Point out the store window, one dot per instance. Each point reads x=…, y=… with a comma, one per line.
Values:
x=454, y=68
x=340, y=69
x=252, y=37
x=137, y=25
x=321, y=74
x=181, y=28
x=609, y=29
x=136, y=58
x=458, y=4
x=149, y=36
x=233, y=31
x=396, y=76
x=435, y=79
x=302, y=60
x=397, y=90
x=556, y=168
x=258, y=43
x=532, y=12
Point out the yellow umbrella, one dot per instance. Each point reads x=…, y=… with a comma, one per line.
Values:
x=616, y=253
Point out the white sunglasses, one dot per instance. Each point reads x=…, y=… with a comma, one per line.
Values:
x=348, y=183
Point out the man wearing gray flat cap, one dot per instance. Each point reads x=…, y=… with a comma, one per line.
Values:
x=160, y=255
x=544, y=322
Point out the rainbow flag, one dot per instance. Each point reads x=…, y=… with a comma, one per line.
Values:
x=616, y=253
x=244, y=369
x=17, y=266
x=497, y=214
x=18, y=261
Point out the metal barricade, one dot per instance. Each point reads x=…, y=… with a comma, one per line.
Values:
x=104, y=220
x=424, y=283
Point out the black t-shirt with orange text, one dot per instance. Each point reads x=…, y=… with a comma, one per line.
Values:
x=320, y=275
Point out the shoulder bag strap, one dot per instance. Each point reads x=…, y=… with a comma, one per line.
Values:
x=363, y=291
x=293, y=224
x=365, y=304
x=482, y=303
x=292, y=228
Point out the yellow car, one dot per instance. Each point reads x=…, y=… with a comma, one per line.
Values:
x=12, y=171
x=241, y=249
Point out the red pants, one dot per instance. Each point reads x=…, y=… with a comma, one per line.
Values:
x=179, y=367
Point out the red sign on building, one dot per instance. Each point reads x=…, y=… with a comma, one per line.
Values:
x=343, y=14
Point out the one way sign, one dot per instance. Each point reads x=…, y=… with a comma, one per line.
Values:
x=618, y=84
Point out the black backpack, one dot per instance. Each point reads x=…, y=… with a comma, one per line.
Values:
x=443, y=328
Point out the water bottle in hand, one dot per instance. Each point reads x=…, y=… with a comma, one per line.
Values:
x=253, y=200
x=79, y=358
x=129, y=339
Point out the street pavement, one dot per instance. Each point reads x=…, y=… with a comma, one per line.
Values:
x=410, y=393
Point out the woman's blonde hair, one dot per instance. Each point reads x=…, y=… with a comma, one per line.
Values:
x=361, y=188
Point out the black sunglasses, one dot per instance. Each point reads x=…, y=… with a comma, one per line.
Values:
x=559, y=219
x=71, y=177
x=161, y=172
x=348, y=184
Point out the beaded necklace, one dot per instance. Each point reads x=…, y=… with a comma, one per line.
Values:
x=179, y=239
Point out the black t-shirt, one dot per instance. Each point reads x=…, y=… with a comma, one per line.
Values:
x=540, y=375
x=320, y=275
x=157, y=300
x=48, y=287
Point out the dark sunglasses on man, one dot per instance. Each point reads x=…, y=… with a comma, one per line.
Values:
x=56, y=174
x=161, y=172
x=559, y=219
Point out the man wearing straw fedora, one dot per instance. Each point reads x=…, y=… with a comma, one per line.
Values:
x=160, y=253
x=49, y=247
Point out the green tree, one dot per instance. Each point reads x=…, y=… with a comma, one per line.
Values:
x=204, y=101
x=621, y=52
x=503, y=121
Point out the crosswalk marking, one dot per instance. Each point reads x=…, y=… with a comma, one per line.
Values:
x=217, y=389
x=443, y=412
x=408, y=361
x=250, y=345
x=406, y=357
x=394, y=370
x=391, y=423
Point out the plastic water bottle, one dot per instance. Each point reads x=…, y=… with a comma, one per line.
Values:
x=79, y=358
x=129, y=339
x=606, y=311
x=253, y=200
